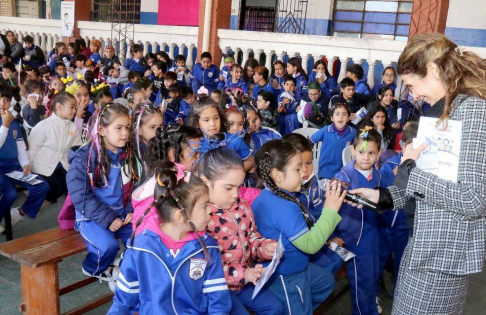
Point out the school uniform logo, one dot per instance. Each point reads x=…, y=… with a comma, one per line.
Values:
x=210, y=74
x=14, y=134
x=197, y=268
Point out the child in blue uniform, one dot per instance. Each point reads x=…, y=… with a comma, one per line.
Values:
x=259, y=134
x=315, y=111
x=136, y=63
x=321, y=75
x=278, y=76
x=295, y=69
x=236, y=80
x=173, y=266
x=300, y=286
x=205, y=74
x=334, y=138
x=356, y=73
x=288, y=107
x=225, y=76
x=358, y=227
x=392, y=225
x=99, y=183
x=210, y=118
x=188, y=99
x=180, y=69
x=260, y=77
x=313, y=197
x=13, y=157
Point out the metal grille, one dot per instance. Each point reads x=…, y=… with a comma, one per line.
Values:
x=291, y=16
x=372, y=19
x=260, y=19
x=116, y=11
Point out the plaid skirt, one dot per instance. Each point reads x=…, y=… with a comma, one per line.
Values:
x=428, y=292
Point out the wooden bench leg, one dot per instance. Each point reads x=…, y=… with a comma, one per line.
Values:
x=40, y=289
x=8, y=226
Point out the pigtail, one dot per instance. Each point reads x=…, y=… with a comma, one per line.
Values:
x=264, y=170
x=17, y=108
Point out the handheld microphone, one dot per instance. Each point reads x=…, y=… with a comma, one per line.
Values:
x=357, y=199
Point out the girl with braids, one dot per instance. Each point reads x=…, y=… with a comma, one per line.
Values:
x=13, y=157
x=233, y=226
x=210, y=118
x=300, y=286
x=146, y=119
x=174, y=266
x=100, y=187
x=53, y=87
x=50, y=141
x=174, y=143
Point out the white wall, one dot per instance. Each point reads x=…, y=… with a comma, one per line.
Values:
x=467, y=14
x=149, y=6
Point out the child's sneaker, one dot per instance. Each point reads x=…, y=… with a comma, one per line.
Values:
x=378, y=306
x=16, y=215
x=115, y=274
x=104, y=276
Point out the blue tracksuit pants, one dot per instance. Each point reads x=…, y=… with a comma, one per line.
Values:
x=265, y=303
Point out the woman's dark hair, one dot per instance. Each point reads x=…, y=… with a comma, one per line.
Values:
x=103, y=116
x=294, y=61
x=204, y=102
x=79, y=44
x=388, y=132
x=149, y=56
x=172, y=194
x=171, y=137
x=166, y=57
x=276, y=154
x=252, y=63
x=214, y=164
x=322, y=62
x=61, y=98
x=371, y=136
x=9, y=93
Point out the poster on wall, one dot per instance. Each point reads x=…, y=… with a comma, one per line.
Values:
x=67, y=18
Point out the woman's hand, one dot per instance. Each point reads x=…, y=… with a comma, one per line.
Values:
x=410, y=153
x=334, y=196
x=26, y=170
x=253, y=274
x=370, y=194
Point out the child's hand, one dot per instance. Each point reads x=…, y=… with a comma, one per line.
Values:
x=334, y=196
x=280, y=108
x=337, y=240
x=221, y=78
x=147, y=73
x=285, y=101
x=352, y=117
x=81, y=109
x=26, y=170
x=396, y=125
x=169, y=100
x=253, y=274
x=128, y=219
x=7, y=117
x=115, y=225
x=32, y=102
x=270, y=248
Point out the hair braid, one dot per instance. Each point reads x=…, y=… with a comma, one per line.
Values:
x=264, y=171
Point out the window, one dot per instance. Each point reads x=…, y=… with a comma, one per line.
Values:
x=118, y=11
x=372, y=19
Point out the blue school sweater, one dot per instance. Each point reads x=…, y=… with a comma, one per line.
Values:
x=362, y=86
x=277, y=217
x=241, y=84
x=356, y=221
x=184, y=112
x=332, y=146
x=262, y=136
x=133, y=65
x=377, y=88
x=280, y=80
x=312, y=197
x=327, y=85
x=95, y=57
x=9, y=154
x=268, y=88
x=239, y=146
x=301, y=84
x=186, y=284
x=209, y=78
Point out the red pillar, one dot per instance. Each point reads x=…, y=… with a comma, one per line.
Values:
x=428, y=16
x=220, y=19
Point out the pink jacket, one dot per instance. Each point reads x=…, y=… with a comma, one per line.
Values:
x=142, y=198
x=238, y=239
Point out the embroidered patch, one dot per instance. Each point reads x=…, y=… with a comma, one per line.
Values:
x=71, y=133
x=14, y=134
x=210, y=74
x=197, y=268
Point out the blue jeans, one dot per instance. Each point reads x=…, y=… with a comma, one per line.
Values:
x=8, y=192
x=265, y=303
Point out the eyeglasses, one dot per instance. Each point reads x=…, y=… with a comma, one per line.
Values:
x=313, y=94
x=389, y=75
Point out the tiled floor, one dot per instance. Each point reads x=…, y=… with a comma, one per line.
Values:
x=70, y=270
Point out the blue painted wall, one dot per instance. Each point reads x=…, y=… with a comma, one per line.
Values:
x=148, y=18
x=467, y=36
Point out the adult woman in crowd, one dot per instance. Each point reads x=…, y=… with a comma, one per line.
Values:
x=4, y=49
x=16, y=48
x=447, y=220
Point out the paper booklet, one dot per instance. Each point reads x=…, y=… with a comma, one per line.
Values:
x=29, y=178
x=270, y=269
x=341, y=251
x=441, y=158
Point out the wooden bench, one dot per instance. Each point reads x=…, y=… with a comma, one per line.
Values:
x=39, y=255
